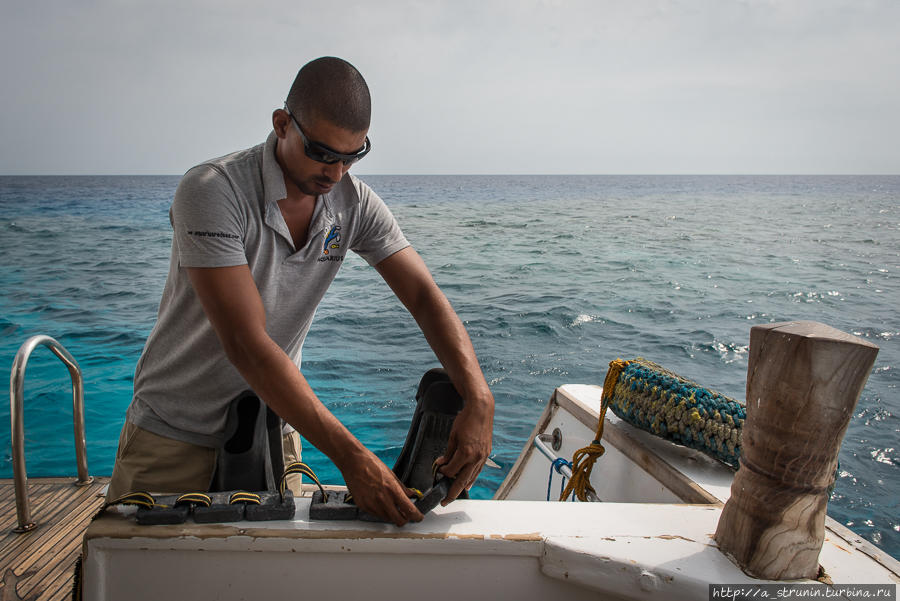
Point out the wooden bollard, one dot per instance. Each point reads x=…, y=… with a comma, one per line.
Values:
x=803, y=381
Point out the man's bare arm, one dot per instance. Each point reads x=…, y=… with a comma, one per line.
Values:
x=233, y=306
x=470, y=438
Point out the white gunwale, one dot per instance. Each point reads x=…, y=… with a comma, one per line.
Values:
x=527, y=549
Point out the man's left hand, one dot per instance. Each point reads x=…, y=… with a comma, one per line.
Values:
x=468, y=447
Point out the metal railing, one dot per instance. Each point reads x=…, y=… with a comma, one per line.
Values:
x=541, y=443
x=16, y=418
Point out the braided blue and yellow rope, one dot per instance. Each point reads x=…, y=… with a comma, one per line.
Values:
x=661, y=402
x=656, y=400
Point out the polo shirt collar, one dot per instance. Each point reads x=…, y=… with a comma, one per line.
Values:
x=273, y=177
x=275, y=190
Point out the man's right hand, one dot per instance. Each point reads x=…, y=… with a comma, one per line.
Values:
x=377, y=490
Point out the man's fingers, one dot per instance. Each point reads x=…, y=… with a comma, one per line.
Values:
x=378, y=491
x=454, y=491
x=461, y=464
x=393, y=515
x=464, y=481
x=474, y=475
x=464, y=470
x=400, y=506
x=396, y=509
x=412, y=514
x=467, y=449
x=449, y=452
x=464, y=478
x=451, y=464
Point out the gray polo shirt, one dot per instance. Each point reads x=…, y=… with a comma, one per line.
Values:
x=225, y=213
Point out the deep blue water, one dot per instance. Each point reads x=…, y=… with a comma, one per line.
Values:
x=553, y=276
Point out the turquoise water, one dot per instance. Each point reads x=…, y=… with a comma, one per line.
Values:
x=553, y=276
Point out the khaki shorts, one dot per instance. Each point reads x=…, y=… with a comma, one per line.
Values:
x=153, y=463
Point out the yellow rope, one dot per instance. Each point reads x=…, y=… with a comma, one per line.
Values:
x=615, y=370
x=583, y=460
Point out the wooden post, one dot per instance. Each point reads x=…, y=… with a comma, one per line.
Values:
x=803, y=381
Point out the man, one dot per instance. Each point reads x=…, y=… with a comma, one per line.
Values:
x=258, y=237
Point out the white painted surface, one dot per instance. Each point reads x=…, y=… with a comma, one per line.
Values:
x=525, y=549
x=479, y=549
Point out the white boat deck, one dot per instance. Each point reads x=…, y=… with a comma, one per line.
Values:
x=480, y=549
x=522, y=549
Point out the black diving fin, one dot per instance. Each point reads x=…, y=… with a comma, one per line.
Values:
x=437, y=405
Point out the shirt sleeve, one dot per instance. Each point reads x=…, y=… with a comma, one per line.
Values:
x=207, y=221
x=379, y=235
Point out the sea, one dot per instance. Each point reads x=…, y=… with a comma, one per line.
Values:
x=553, y=276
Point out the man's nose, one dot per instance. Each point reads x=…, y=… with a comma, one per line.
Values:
x=335, y=171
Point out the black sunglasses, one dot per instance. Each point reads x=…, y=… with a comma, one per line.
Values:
x=322, y=154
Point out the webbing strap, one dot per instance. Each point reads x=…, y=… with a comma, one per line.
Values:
x=146, y=500
x=242, y=496
x=140, y=498
x=194, y=498
x=298, y=467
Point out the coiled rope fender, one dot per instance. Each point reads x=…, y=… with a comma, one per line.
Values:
x=648, y=396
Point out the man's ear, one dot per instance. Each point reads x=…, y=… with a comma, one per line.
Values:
x=281, y=121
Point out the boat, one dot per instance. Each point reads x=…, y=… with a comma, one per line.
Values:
x=648, y=532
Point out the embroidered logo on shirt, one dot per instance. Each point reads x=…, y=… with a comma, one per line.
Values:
x=332, y=242
x=332, y=239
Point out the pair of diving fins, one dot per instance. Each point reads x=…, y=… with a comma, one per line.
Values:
x=437, y=405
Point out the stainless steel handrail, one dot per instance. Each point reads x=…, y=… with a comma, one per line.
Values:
x=17, y=422
x=540, y=442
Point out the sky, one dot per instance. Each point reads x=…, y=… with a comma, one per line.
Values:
x=461, y=87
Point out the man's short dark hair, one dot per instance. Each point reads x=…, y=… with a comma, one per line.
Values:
x=332, y=89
